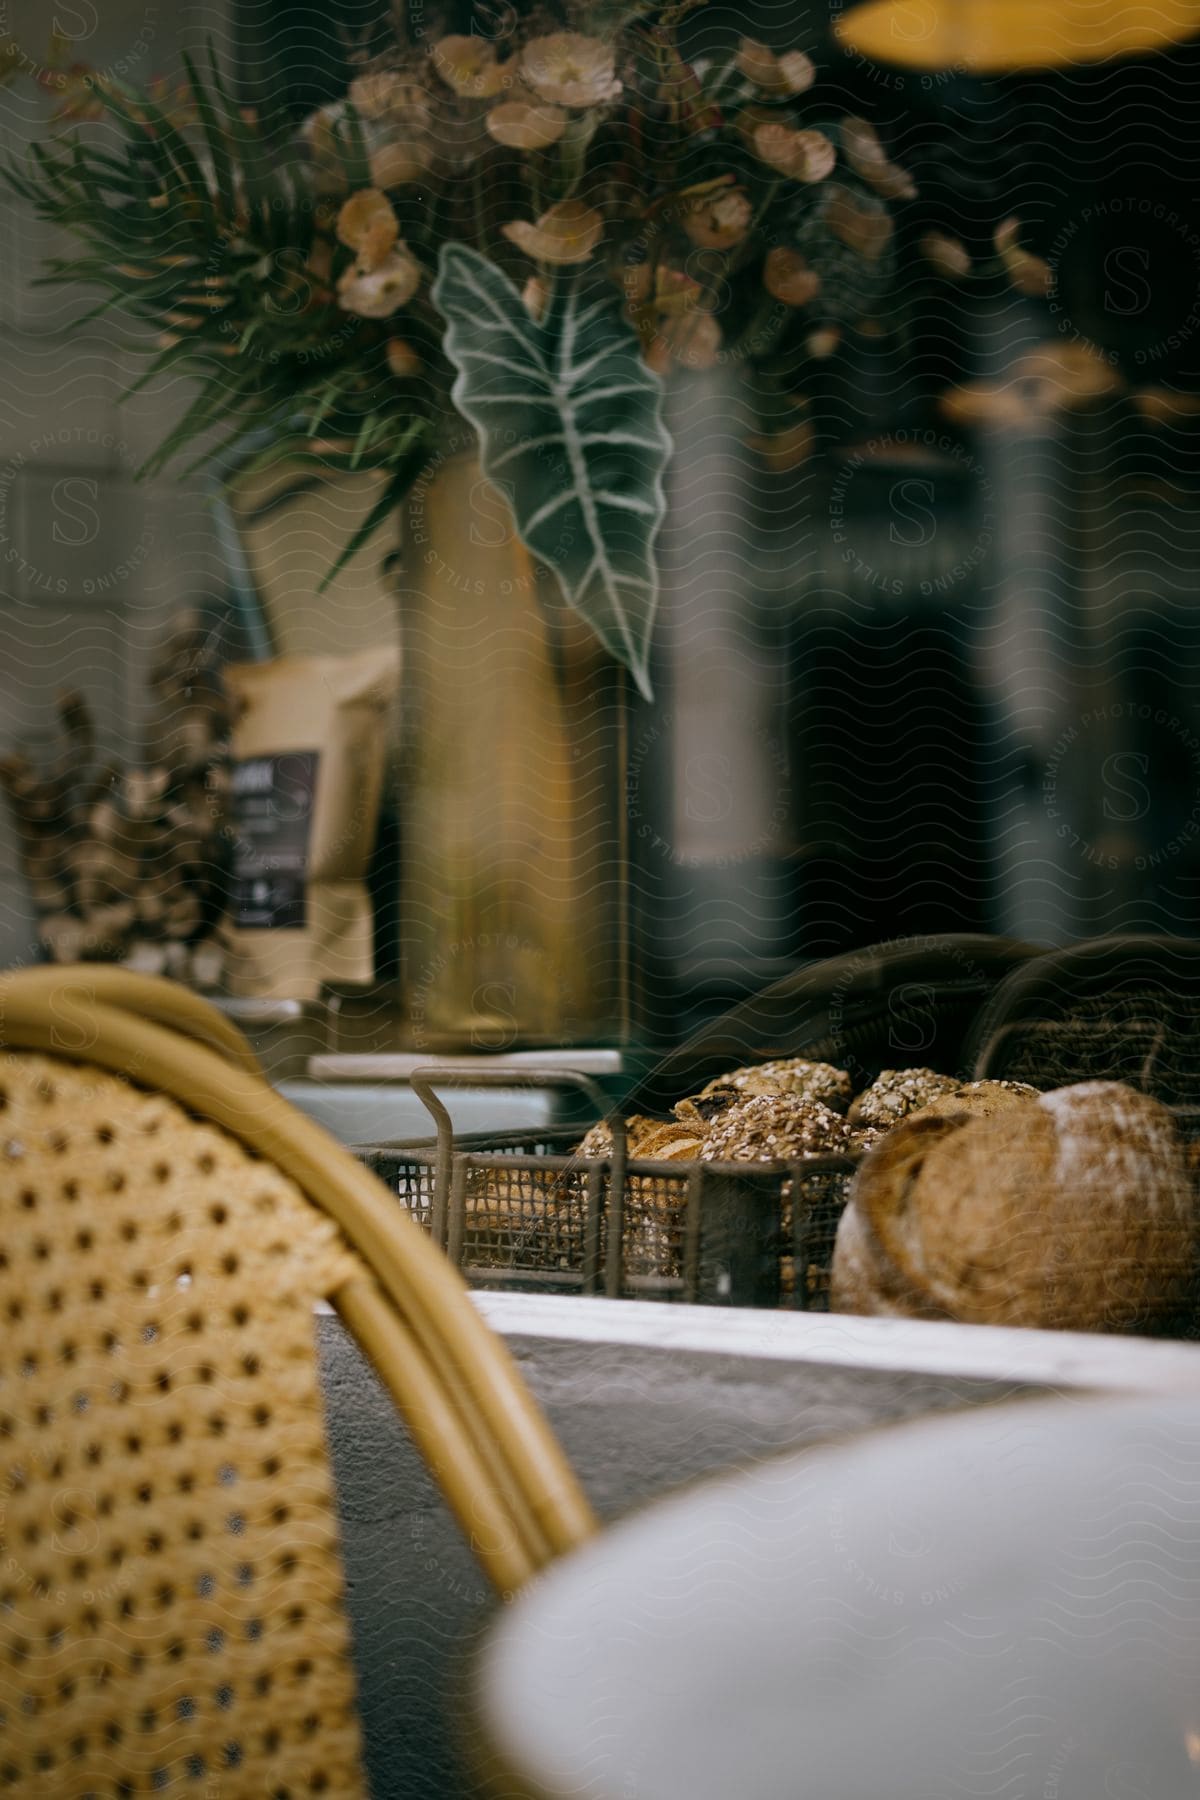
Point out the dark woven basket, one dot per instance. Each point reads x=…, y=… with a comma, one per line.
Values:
x=898, y=1005
x=1119, y=1008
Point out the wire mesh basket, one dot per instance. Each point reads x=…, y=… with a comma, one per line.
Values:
x=523, y=1210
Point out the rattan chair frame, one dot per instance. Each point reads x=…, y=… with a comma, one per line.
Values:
x=486, y=1442
x=146, y=996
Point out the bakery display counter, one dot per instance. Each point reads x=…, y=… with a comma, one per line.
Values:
x=1041, y=1173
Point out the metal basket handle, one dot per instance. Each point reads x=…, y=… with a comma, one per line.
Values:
x=431, y=1076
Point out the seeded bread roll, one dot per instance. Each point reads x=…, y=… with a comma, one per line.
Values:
x=786, y=1075
x=979, y=1099
x=1073, y=1210
x=892, y=1096
x=775, y=1128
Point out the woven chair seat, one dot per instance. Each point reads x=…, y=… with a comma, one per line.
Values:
x=171, y=1605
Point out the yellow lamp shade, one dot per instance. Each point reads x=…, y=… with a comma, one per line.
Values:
x=994, y=36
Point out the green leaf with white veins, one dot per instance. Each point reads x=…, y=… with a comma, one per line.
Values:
x=570, y=429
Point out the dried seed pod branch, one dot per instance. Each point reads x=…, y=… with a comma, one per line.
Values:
x=579, y=148
x=128, y=864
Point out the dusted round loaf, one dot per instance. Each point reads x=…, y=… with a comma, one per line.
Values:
x=1074, y=1210
x=861, y=1281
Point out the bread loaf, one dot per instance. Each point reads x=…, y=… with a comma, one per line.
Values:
x=777, y=1127
x=655, y=1206
x=652, y=1234
x=892, y=1096
x=861, y=1280
x=791, y=1075
x=1072, y=1209
x=979, y=1099
x=671, y=1141
x=639, y=1130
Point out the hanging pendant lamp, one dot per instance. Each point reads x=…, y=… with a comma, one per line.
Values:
x=981, y=37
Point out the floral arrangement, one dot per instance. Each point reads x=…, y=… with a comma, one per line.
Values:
x=531, y=230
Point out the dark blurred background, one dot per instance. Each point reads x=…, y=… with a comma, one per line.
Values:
x=941, y=675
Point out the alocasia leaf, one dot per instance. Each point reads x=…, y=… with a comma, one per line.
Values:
x=570, y=428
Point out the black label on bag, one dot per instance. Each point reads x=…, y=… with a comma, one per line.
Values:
x=272, y=805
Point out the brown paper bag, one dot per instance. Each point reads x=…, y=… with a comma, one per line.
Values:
x=310, y=747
